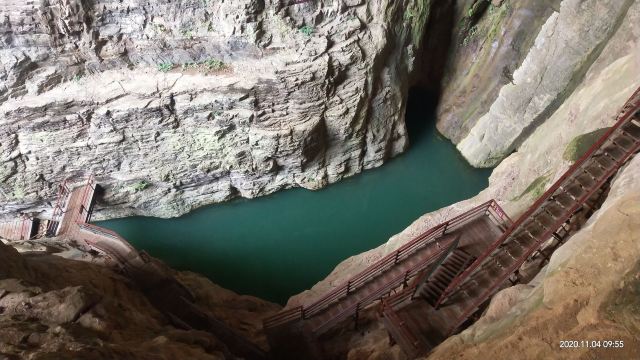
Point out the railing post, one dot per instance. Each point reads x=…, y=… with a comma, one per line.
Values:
x=348, y=287
x=395, y=261
x=356, y=316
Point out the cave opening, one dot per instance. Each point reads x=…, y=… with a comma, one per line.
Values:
x=431, y=66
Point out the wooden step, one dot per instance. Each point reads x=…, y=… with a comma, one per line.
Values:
x=586, y=180
x=632, y=129
x=604, y=160
x=574, y=189
x=625, y=142
x=595, y=170
x=614, y=151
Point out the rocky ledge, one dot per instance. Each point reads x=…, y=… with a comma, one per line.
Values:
x=55, y=308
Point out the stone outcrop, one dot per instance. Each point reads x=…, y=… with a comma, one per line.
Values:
x=502, y=95
x=51, y=307
x=174, y=105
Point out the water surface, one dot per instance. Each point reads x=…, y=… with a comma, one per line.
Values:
x=279, y=245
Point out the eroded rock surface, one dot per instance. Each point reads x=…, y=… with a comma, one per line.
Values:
x=488, y=124
x=174, y=105
x=55, y=308
x=586, y=293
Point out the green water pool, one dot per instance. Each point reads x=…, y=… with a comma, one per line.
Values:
x=279, y=245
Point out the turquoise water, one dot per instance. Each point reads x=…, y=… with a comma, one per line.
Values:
x=279, y=245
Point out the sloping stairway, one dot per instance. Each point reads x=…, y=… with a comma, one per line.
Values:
x=444, y=274
x=500, y=261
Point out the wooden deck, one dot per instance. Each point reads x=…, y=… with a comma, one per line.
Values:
x=380, y=286
x=18, y=229
x=406, y=266
x=417, y=318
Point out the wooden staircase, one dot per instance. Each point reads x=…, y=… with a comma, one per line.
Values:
x=569, y=194
x=412, y=263
x=444, y=275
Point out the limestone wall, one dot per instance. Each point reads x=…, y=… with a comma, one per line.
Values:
x=174, y=105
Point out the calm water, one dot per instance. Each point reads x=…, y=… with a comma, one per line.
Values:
x=279, y=245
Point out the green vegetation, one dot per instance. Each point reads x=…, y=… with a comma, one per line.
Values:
x=409, y=15
x=187, y=33
x=581, y=143
x=470, y=35
x=209, y=64
x=214, y=64
x=159, y=28
x=165, y=67
x=77, y=78
x=139, y=186
x=416, y=15
x=535, y=189
x=189, y=65
x=307, y=30
x=18, y=192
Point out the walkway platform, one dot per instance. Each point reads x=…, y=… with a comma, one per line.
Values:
x=471, y=231
x=18, y=229
x=418, y=323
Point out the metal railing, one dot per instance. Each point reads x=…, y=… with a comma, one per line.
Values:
x=445, y=246
x=284, y=317
x=58, y=209
x=19, y=229
x=632, y=106
x=490, y=208
x=84, y=212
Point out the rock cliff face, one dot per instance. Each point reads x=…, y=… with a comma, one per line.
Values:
x=503, y=84
x=174, y=105
x=539, y=161
x=516, y=183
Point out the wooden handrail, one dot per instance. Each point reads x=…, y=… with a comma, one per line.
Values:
x=446, y=246
x=634, y=106
x=539, y=241
x=391, y=259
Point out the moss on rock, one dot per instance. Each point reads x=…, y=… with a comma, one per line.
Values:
x=535, y=189
x=417, y=15
x=581, y=143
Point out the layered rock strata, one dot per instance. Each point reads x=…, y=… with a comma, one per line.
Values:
x=174, y=105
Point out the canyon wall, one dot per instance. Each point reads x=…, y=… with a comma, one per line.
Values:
x=514, y=65
x=516, y=183
x=175, y=105
x=547, y=153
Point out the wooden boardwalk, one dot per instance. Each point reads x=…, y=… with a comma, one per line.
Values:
x=418, y=323
x=471, y=231
x=18, y=229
